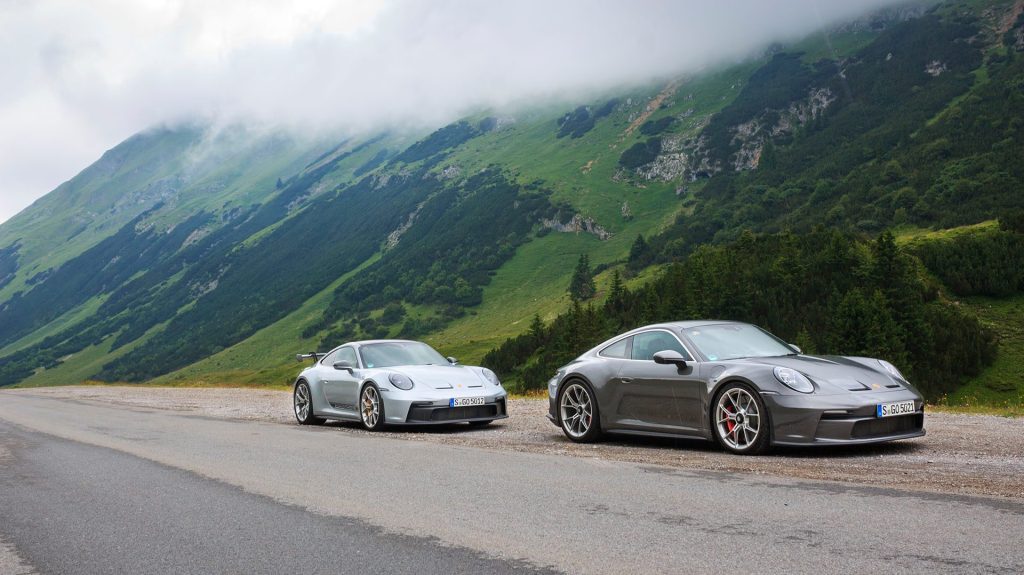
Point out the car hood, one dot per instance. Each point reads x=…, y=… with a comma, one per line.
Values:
x=441, y=376
x=850, y=374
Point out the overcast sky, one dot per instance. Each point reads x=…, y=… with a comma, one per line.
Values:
x=77, y=77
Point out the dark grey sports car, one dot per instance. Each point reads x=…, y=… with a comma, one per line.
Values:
x=734, y=383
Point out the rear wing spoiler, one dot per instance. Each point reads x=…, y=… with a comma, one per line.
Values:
x=311, y=355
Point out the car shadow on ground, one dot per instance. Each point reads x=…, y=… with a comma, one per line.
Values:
x=436, y=429
x=781, y=451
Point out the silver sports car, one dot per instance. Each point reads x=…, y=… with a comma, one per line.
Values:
x=395, y=382
x=734, y=383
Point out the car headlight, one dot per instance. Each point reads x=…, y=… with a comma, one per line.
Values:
x=891, y=369
x=490, y=375
x=793, y=379
x=400, y=381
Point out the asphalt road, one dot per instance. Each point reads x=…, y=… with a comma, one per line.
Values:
x=95, y=489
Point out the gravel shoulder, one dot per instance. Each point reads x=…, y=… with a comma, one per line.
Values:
x=962, y=454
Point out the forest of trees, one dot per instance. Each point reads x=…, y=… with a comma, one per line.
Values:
x=456, y=243
x=989, y=262
x=583, y=119
x=826, y=291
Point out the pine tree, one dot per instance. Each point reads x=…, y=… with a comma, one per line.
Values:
x=537, y=329
x=582, y=287
x=616, y=292
x=639, y=253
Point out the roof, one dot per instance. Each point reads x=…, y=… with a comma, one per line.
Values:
x=687, y=324
x=369, y=341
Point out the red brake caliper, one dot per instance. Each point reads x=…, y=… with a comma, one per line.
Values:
x=729, y=424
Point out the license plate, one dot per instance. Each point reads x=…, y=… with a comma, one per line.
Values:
x=464, y=401
x=897, y=408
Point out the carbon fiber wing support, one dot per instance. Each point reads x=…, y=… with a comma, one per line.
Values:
x=311, y=355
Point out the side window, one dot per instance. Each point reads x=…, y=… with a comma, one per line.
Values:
x=330, y=358
x=618, y=350
x=344, y=354
x=646, y=344
x=347, y=354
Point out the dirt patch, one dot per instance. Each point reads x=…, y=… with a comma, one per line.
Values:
x=962, y=454
x=652, y=107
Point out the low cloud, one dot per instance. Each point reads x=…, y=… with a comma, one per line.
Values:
x=79, y=77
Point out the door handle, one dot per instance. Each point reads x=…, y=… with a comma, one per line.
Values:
x=626, y=380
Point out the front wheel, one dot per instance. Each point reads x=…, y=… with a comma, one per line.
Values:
x=741, y=420
x=302, y=401
x=371, y=408
x=578, y=413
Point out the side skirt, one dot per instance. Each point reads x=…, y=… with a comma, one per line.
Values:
x=337, y=414
x=655, y=434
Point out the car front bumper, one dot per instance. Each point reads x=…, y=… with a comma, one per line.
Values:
x=418, y=410
x=841, y=419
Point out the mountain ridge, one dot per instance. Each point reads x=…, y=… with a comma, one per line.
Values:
x=647, y=161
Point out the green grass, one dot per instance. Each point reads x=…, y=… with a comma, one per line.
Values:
x=999, y=389
x=909, y=236
x=534, y=282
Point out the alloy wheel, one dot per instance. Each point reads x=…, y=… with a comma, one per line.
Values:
x=738, y=419
x=302, y=403
x=577, y=410
x=370, y=406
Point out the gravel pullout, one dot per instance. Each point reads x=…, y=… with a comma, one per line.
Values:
x=962, y=454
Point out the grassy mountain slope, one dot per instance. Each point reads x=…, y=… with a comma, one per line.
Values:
x=982, y=267
x=1001, y=386
x=186, y=170
x=268, y=246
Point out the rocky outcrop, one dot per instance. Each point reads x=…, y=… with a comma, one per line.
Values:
x=577, y=224
x=666, y=167
x=164, y=190
x=198, y=290
x=749, y=138
x=395, y=236
x=195, y=237
x=450, y=172
x=935, y=68
x=314, y=191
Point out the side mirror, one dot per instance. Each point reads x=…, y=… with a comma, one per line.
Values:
x=796, y=348
x=344, y=366
x=452, y=360
x=669, y=356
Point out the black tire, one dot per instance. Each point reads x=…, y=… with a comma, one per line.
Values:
x=304, y=416
x=371, y=424
x=576, y=423
x=732, y=430
x=480, y=423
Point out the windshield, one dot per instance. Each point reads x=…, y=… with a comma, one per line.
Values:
x=734, y=341
x=394, y=353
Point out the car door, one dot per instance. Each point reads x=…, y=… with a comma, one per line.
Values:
x=659, y=397
x=341, y=385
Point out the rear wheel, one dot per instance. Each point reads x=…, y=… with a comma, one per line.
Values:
x=577, y=412
x=302, y=401
x=740, y=420
x=371, y=408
